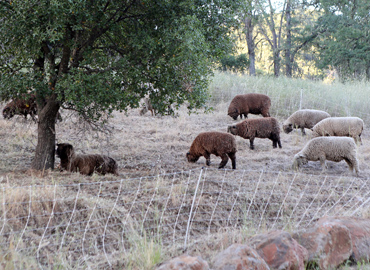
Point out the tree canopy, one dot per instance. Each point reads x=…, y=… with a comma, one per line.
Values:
x=345, y=43
x=104, y=55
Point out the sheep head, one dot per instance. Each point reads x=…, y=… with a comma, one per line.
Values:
x=287, y=128
x=232, y=129
x=298, y=161
x=64, y=150
x=233, y=114
x=8, y=113
x=191, y=158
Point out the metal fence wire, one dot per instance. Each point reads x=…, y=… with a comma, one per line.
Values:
x=91, y=222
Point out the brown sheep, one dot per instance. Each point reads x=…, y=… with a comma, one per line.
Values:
x=258, y=128
x=217, y=143
x=249, y=103
x=85, y=164
x=21, y=107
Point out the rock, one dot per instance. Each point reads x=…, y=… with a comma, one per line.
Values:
x=328, y=243
x=360, y=235
x=280, y=250
x=185, y=262
x=240, y=257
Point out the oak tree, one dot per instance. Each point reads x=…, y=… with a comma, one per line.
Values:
x=98, y=56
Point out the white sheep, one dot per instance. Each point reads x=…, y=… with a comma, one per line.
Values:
x=340, y=126
x=302, y=119
x=328, y=148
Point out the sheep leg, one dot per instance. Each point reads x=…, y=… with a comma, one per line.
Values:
x=303, y=132
x=353, y=165
x=251, y=140
x=323, y=163
x=349, y=163
x=208, y=158
x=358, y=139
x=275, y=141
x=224, y=161
x=265, y=114
x=233, y=159
x=279, y=142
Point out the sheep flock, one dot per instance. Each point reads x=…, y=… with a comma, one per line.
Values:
x=328, y=135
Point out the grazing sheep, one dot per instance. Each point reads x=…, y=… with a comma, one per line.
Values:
x=258, y=128
x=21, y=107
x=328, y=148
x=340, y=126
x=147, y=107
x=217, y=143
x=85, y=164
x=304, y=119
x=249, y=103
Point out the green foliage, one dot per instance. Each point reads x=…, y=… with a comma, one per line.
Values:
x=234, y=63
x=345, y=43
x=105, y=55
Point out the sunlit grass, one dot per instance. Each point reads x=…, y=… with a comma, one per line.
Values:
x=289, y=95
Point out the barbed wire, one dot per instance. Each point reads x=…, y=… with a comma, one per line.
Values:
x=97, y=221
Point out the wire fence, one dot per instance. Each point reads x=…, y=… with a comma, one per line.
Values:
x=88, y=225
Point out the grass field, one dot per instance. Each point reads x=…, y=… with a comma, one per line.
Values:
x=148, y=146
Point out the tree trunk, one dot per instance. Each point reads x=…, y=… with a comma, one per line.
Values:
x=276, y=62
x=288, y=59
x=45, y=149
x=249, y=27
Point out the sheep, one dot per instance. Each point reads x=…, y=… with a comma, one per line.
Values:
x=340, y=126
x=147, y=107
x=328, y=148
x=85, y=164
x=21, y=107
x=304, y=119
x=249, y=103
x=217, y=143
x=258, y=128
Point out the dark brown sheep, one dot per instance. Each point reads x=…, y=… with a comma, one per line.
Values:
x=21, y=107
x=249, y=103
x=85, y=164
x=217, y=143
x=258, y=128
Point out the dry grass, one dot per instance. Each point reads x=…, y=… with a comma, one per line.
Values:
x=146, y=145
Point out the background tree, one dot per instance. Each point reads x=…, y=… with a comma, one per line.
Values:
x=273, y=32
x=94, y=57
x=249, y=18
x=345, y=44
x=300, y=32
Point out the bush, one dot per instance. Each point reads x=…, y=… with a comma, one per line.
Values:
x=235, y=63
